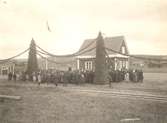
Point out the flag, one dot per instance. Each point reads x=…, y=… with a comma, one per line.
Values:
x=48, y=26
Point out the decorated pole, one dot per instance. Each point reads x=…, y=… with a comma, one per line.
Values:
x=32, y=65
x=100, y=62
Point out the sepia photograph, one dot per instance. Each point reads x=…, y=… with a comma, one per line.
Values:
x=83, y=61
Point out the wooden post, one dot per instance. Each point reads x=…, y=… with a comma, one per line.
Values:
x=10, y=97
x=78, y=64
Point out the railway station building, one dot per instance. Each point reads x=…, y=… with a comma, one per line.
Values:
x=86, y=61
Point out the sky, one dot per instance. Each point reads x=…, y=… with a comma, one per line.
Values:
x=143, y=23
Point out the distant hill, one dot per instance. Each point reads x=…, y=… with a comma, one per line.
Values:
x=152, y=56
x=149, y=63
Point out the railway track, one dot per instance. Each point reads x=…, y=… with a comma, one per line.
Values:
x=140, y=95
x=128, y=94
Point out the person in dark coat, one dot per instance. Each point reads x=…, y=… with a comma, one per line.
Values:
x=114, y=76
x=91, y=76
x=86, y=76
x=14, y=76
x=141, y=77
x=57, y=78
x=110, y=79
x=77, y=77
x=52, y=78
x=67, y=77
x=130, y=75
x=10, y=76
x=117, y=77
x=74, y=77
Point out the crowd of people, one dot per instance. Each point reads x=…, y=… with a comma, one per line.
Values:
x=76, y=76
x=135, y=75
x=54, y=76
x=12, y=76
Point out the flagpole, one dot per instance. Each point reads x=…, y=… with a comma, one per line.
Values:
x=47, y=24
x=49, y=30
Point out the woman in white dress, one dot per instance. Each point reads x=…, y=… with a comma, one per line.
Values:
x=34, y=77
x=39, y=78
x=127, y=76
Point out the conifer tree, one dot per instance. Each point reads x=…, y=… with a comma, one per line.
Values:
x=32, y=65
x=100, y=61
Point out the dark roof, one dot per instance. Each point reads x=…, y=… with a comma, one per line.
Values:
x=114, y=43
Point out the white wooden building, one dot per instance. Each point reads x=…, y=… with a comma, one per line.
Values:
x=86, y=61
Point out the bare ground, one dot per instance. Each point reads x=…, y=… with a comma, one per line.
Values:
x=48, y=104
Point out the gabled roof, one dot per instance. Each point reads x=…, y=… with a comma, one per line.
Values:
x=113, y=43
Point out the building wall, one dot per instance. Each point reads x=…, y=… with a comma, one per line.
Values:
x=82, y=63
x=13, y=66
x=121, y=63
x=57, y=63
x=115, y=63
x=62, y=67
x=6, y=68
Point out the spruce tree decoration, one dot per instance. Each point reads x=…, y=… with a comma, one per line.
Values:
x=32, y=65
x=100, y=61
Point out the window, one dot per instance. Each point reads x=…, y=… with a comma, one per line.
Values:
x=4, y=68
x=88, y=65
x=123, y=49
x=124, y=64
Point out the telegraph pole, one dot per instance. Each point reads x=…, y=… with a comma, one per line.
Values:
x=100, y=62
